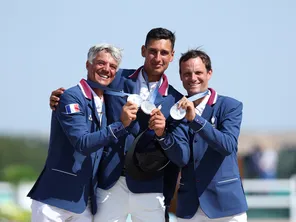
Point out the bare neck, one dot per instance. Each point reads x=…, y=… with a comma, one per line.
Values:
x=99, y=92
x=154, y=78
x=197, y=102
x=151, y=77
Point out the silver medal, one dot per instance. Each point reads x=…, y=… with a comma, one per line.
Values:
x=147, y=107
x=134, y=98
x=176, y=113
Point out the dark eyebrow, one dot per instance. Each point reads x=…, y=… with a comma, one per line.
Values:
x=187, y=72
x=198, y=72
x=152, y=49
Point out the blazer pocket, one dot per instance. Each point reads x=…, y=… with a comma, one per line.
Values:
x=229, y=194
x=227, y=181
x=64, y=172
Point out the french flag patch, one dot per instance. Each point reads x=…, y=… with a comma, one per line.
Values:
x=72, y=108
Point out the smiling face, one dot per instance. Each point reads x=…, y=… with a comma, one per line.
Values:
x=158, y=54
x=102, y=69
x=194, y=76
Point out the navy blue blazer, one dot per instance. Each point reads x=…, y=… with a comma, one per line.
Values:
x=77, y=138
x=211, y=179
x=113, y=160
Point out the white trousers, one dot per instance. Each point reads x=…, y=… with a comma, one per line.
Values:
x=45, y=213
x=115, y=204
x=201, y=217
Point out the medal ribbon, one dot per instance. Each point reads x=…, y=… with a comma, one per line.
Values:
x=152, y=95
x=179, y=114
x=198, y=96
x=106, y=89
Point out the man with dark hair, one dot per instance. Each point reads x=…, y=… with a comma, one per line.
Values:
x=210, y=186
x=160, y=33
x=135, y=185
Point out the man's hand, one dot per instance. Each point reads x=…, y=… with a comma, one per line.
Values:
x=185, y=104
x=157, y=122
x=54, y=97
x=128, y=113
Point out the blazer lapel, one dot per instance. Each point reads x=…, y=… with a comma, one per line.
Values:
x=207, y=115
x=86, y=90
x=199, y=144
x=92, y=106
x=158, y=100
x=104, y=119
x=130, y=85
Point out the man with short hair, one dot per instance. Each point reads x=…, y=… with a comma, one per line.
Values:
x=210, y=186
x=66, y=188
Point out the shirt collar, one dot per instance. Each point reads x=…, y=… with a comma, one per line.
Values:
x=163, y=88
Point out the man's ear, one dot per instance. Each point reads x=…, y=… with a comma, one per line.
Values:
x=143, y=51
x=181, y=76
x=210, y=74
x=87, y=64
x=173, y=53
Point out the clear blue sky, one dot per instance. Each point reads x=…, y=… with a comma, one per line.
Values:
x=252, y=43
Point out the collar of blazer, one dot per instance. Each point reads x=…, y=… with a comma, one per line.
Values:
x=85, y=88
x=208, y=111
x=163, y=88
x=213, y=97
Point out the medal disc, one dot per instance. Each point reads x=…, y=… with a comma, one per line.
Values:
x=147, y=107
x=176, y=113
x=134, y=98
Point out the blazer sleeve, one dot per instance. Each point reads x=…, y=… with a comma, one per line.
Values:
x=176, y=143
x=76, y=128
x=225, y=138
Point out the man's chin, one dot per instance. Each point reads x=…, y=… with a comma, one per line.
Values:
x=193, y=92
x=158, y=72
x=104, y=82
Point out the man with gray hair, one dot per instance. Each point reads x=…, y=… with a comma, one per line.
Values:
x=66, y=188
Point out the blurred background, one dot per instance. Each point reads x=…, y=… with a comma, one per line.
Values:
x=252, y=46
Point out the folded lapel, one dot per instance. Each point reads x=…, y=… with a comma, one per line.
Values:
x=104, y=119
x=130, y=85
x=201, y=144
x=207, y=114
x=92, y=106
x=158, y=100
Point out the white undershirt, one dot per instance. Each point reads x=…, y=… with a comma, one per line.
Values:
x=144, y=91
x=200, y=107
x=99, y=104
